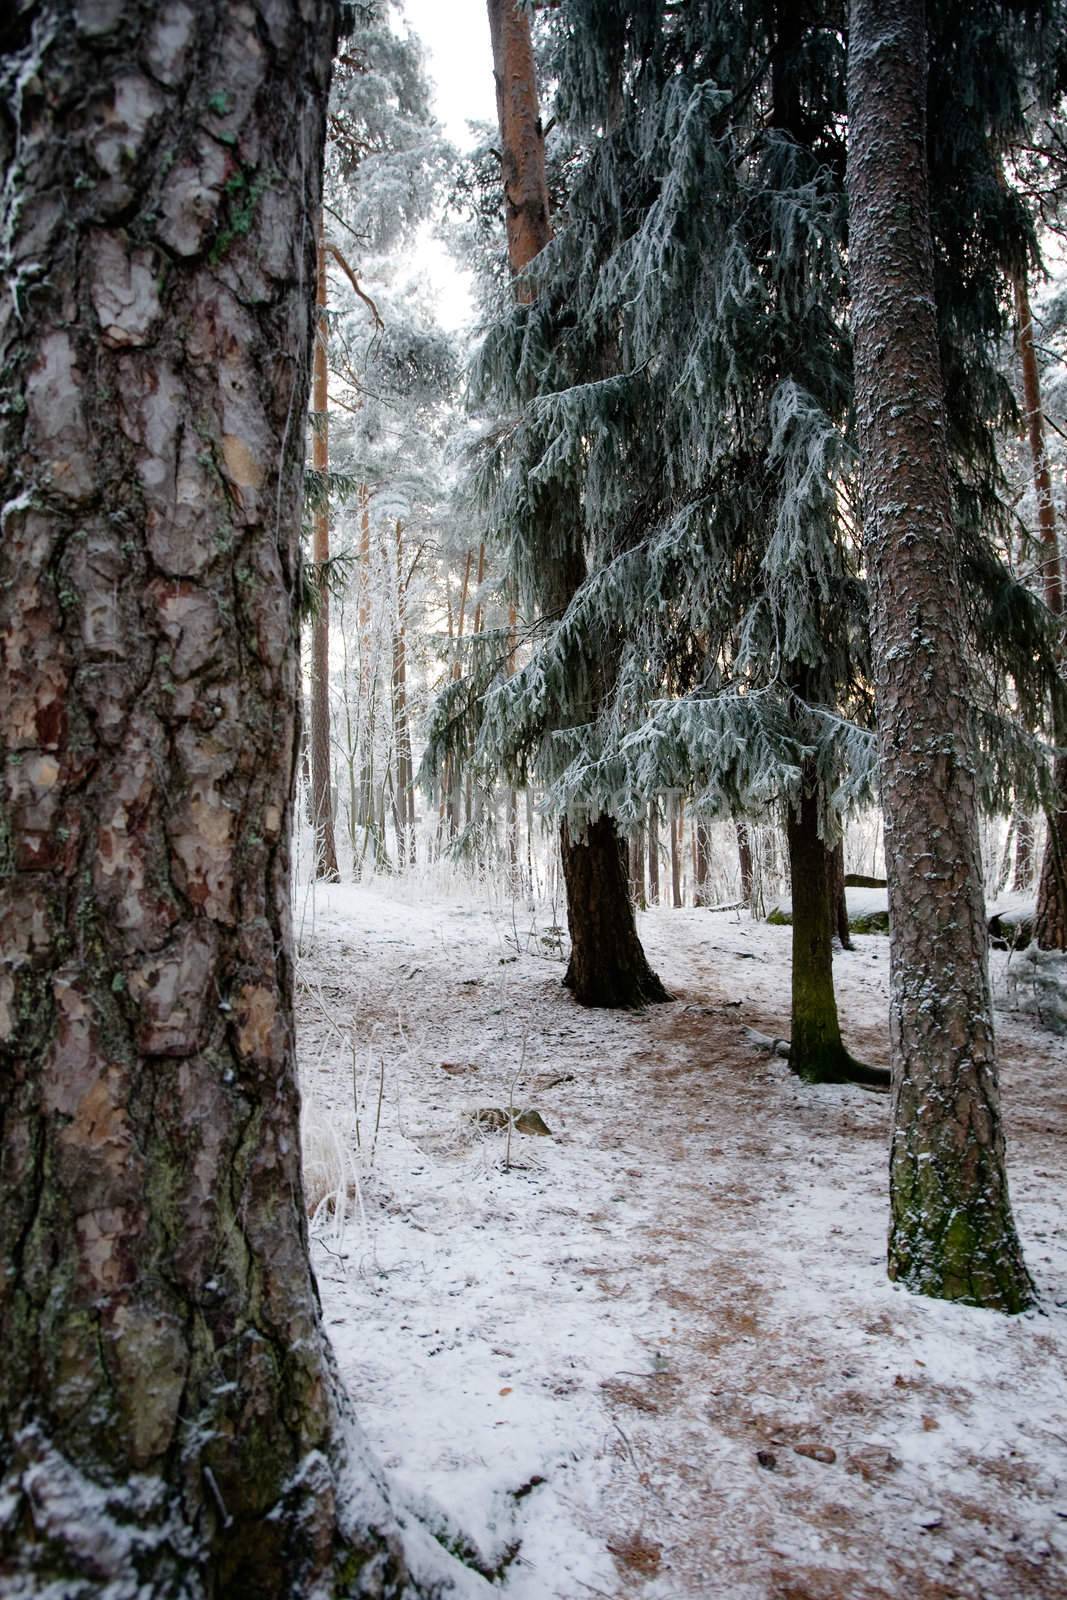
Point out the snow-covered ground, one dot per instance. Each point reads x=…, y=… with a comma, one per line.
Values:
x=655, y=1355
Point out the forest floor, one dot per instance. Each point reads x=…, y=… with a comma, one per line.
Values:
x=656, y=1357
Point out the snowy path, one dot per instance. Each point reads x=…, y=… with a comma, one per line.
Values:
x=658, y=1358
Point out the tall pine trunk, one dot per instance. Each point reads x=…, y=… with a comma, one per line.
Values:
x=603, y=963
x=170, y=1419
x=405, y=793
x=952, y=1233
x=1050, y=918
x=321, y=777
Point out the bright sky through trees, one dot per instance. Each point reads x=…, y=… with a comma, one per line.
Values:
x=456, y=39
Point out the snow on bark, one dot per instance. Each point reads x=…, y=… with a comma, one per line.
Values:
x=170, y=1422
x=952, y=1233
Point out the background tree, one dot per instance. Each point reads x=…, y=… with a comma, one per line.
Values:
x=607, y=966
x=165, y=1373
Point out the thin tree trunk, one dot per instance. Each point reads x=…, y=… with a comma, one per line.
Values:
x=1050, y=918
x=605, y=966
x=512, y=812
x=637, y=866
x=744, y=860
x=1004, y=870
x=702, y=863
x=951, y=1233
x=653, y=853
x=321, y=777
x=816, y=1051
x=170, y=1417
x=366, y=680
x=676, y=813
x=838, y=897
x=455, y=791
x=1023, y=874
x=401, y=730
x=1048, y=540
x=479, y=609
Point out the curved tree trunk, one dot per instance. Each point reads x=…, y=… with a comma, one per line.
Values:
x=170, y=1421
x=951, y=1233
x=607, y=965
x=529, y=230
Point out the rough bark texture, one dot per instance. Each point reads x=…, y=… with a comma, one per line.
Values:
x=321, y=784
x=169, y=1419
x=607, y=965
x=816, y=1051
x=951, y=1232
x=607, y=959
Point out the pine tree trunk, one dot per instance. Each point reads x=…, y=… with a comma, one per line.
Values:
x=170, y=1419
x=522, y=139
x=455, y=791
x=744, y=859
x=637, y=867
x=321, y=780
x=607, y=965
x=816, y=1052
x=676, y=851
x=951, y=1233
x=1050, y=918
x=838, y=897
x=529, y=230
x=1023, y=874
x=401, y=730
x=702, y=863
x=653, y=853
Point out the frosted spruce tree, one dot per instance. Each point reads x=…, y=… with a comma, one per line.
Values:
x=680, y=388
x=626, y=460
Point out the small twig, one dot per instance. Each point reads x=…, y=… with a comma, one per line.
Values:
x=332, y=250
x=227, y=1520
x=378, y=1113
x=511, y=1103
x=355, y=1086
x=629, y=1446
